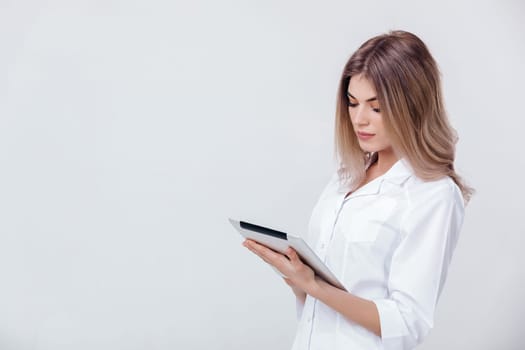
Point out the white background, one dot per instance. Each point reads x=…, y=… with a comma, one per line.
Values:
x=131, y=130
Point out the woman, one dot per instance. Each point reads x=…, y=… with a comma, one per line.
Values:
x=388, y=221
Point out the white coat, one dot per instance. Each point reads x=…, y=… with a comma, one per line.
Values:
x=391, y=241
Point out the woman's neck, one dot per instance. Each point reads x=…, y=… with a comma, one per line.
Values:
x=385, y=159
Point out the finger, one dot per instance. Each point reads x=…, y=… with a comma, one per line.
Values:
x=267, y=255
x=253, y=248
x=292, y=255
x=248, y=243
x=277, y=260
x=272, y=257
x=265, y=252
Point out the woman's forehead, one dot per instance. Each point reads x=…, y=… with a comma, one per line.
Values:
x=361, y=88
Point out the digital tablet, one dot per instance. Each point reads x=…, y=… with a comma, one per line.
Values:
x=280, y=241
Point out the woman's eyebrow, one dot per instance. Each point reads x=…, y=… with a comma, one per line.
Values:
x=369, y=100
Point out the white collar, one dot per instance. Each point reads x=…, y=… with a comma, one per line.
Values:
x=398, y=173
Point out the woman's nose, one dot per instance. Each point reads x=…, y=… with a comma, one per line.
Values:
x=360, y=116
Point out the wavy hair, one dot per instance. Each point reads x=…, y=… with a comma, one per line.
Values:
x=408, y=88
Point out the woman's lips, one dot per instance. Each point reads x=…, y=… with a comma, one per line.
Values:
x=364, y=135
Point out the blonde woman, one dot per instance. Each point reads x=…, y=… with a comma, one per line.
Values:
x=388, y=221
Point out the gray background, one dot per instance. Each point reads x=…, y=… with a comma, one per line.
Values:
x=130, y=131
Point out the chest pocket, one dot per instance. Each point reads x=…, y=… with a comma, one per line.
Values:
x=363, y=219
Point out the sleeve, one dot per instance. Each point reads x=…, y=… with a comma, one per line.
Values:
x=429, y=231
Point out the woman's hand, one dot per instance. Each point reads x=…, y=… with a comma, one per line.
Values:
x=298, y=275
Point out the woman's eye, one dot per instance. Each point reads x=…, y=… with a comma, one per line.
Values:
x=377, y=110
x=350, y=104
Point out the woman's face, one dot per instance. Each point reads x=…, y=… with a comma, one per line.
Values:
x=365, y=115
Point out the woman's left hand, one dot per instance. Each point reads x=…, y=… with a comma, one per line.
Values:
x=298, y=275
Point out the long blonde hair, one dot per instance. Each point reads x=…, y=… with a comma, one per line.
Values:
x=408, y=87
